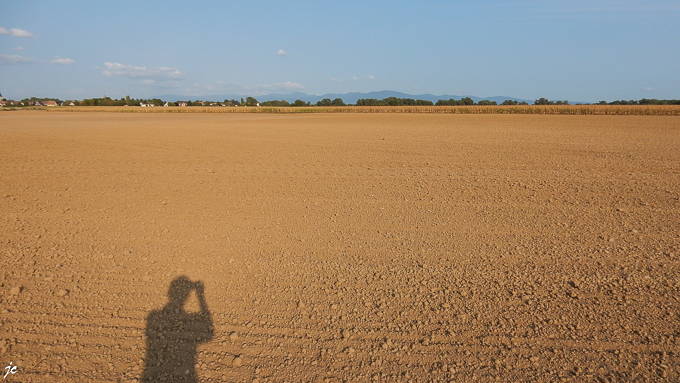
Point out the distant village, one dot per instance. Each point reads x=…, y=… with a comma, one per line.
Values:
x=127, y=101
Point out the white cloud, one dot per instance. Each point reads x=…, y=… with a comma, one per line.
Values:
x=16, y=32
x=19, y=48
x=618, y=7
x=62, y=61
x=370, y=77
x=253, y=90
x=335, y=80
x=648, y=89
x=118, y=69
x=602, y=9
x=160, y=84
x=272, y=87
x=288, y=85
x=15, y=59
x=281, y=52
x=354, y=78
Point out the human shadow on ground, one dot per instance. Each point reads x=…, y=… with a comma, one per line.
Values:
x=172, y=335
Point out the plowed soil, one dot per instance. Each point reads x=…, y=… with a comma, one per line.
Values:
x=329, y=247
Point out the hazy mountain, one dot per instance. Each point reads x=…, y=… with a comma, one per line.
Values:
x=348, y=98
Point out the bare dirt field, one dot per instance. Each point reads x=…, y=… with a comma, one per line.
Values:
x=339, y=247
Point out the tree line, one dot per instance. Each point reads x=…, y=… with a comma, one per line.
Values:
x=644, y=101
x=252, y=101
x=392, y=101
x=395, y=101
x=299, y=103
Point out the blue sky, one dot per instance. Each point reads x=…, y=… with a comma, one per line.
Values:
x=562, y=50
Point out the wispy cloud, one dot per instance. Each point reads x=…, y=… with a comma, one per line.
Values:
x=369, y=77
x=335, y=80
x=354, y=78
x=117, y=69
x=621, y=7
x=62, y=61
x=15, y=59
x=281, y=52
x=278, y=86
x=156, y=83
x=610, y=9
x=254, y=90
x=16, y=32
x=648, y=88
x=19, y=48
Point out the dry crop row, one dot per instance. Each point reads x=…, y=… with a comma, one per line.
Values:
x=638, y=110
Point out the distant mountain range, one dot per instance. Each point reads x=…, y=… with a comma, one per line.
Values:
x=348, y=98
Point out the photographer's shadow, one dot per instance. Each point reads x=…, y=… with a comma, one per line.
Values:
x=172, y=335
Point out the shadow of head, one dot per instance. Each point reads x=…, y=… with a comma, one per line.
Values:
x=179, y=291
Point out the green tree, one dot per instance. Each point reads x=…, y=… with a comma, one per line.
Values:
x=324, y=102
x=392, y=101
x=338, y=102
x=452, y=102
x=509, y=102
x=369, y=102
x=251, y=101
x=275, y=103
x=543, y=101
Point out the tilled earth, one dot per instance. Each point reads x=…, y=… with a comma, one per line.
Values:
x=373, y=247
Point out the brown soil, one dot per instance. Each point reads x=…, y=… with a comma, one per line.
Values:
x=334, y=247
